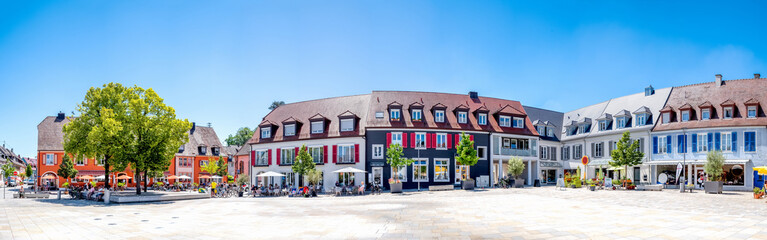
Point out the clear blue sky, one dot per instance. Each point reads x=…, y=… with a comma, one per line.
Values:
x=224, y=62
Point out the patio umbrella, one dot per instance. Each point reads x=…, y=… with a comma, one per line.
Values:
x=123, y=177
x=270, y=174
x=216, y=177
x=86, y=177
x=762, y=170
x=348, y=170
x=102, y=177
x=48, y=177
x=184, y=177
x=204, y=177
x=172, y=177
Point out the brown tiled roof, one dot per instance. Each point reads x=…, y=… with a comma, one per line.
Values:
x=201, y=136
x=330, y=108
x=50, y=135
x=380, y=100
x=667, y=108
x=685, y=106
x=702, y=95
x=752, y=102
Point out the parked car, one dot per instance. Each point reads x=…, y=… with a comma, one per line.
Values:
x=12, y=182
x=29, y=181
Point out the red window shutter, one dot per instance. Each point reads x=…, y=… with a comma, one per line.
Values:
x=428, y=140
x=297, y=151
x=434, y=140
x=356, y=153
x=457, y=138
x=404, y=140
x=278, y=156
x=449, y=141
x=270, y=157
x=253, y=158
x=412, y=140
x=471, y=137
x=388, y=141
x=335, y=153
x=325, y=152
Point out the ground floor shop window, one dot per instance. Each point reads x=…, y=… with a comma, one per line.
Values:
x=461, y=172
x=347, y=179
x=421, y=170
x=401, y=173
x=289, y=179
x=733, y=175
x=441, y=170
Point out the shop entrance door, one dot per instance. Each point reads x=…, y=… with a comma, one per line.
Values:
x=378, y=176
x=551, y=176
x=637, y=172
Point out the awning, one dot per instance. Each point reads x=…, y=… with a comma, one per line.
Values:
x=694, y=161
x=550, y=164
x=597, y=162
x=572, y=165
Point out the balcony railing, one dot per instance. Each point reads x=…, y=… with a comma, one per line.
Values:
x=516, y=152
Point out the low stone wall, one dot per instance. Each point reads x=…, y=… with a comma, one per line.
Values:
x=155, y=197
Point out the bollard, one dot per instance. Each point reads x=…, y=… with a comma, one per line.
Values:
x=106, y=196
x=59, y=193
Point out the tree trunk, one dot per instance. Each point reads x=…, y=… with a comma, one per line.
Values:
x=145, y=180
x=138, y=182
x=106, y=173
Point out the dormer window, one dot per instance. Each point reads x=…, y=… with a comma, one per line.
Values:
x=550, y=132
x=439, y=116
x=347, y=125
x=394, y=114
x=621, y=122
x=318, y=127
x=728, y=112
x=290, y=130
x=379, y=115
x=216, y=151
x=202, y=150
x=416, y=114
x=705, y=114
x=641, y=119
x=666, y=117
x=462, y=117
x=582, y=129
x=751, y=111
x=603, y=125
x=504, y=121
x=519, y=122
x=685, y=115
x=181, y=149
x=541, y=130
x=266, y=133
x=482, y=119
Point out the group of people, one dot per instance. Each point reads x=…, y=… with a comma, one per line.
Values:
x=343, y=189
x=88, y=192
x=277, y=190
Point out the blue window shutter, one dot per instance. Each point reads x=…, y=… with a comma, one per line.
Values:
x=680, y=143
x=668, y=144
x=710, y=141
x=734, y=141
x=718, y=141
x=655, y=145
x=694, y=142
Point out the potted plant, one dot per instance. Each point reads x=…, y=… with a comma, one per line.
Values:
x=394, y=157
x=713, y=168
x=758, y=193
x=466, y=155
x=592, y=185
x=515, y=169
x=241, y=181
x=314, y=177
x=577, y=178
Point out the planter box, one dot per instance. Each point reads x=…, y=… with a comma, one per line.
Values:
x=467, y=184
x=519, y=183
x=713, y=187
x=395, y=187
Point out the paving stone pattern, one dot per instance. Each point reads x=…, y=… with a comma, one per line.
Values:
x=531, y=213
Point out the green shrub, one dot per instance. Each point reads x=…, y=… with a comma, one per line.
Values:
x=65, y=185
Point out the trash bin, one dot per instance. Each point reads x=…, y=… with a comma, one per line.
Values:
x=537, y=183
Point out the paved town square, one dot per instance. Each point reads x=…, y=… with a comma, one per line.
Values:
x=530, y=213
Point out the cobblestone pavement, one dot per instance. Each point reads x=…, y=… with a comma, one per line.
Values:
x=531, y=213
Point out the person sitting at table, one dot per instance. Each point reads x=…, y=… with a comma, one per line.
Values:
x=90, y=194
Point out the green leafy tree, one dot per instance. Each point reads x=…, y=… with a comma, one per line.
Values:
x=98, y=130
x=28, y=171
x=7, y=170
x=515, y=167
x=314, y=176
x=466, y=155
x=395, y=158
x=242, y=180
x=276, y=104
x=210, y=167
x=304, y=162
x=240, y=138
x=626, y=153
x=222, y=167
x=714, y=164
x=66, y=168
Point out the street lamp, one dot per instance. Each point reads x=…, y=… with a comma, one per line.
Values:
x=684, y=160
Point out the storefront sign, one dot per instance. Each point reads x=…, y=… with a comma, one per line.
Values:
x=678, y=170
x=551, y=164
x=585, y=160
x=376, y=164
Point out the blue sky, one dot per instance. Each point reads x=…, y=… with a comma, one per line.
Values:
x=224, y=62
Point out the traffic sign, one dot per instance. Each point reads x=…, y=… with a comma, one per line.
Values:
x=585, y=160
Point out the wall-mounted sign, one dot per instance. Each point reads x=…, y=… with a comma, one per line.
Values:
x=377, y=164
x=551, y=164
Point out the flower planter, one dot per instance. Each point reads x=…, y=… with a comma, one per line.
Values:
x=758, y=195
x=519, y=183
x=592, y=188
x=467, y=184
x=714, y=187
x=395, y=187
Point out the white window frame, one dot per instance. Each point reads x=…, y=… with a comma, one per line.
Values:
x=266, y=132
x=379, y=114
x=484, y=150
x=621, y=122
x=462, y=117
x=702, y=142
x=504, y=121
x=725, y=141
x=728, y=109
x=347, y=121
x=49, y=159
x=599, y=149
x=445, y=163
x=439, y=116
x=318, y=126
x=288, y=132
x=549, y=131
x=662, y=147
x=396, y=137
x=685, y=115
x=518, y=122
x=341, y=150
x=81, y=161
x=541, y=130
x=100, y=161
x=284, y=156
x=420, y=140
x=317, y=150
x=666, y=117
x=749, y=109
x=402, y=170
x=260, y=157
x=544, y=152
x=705, y=114
x=459, y=170
x=420, y=162
x=380, y=149
x=603, y=125
x=441, y=141
x=641, y=119
x=482, y=119
x=416, y=115
x=395, y=114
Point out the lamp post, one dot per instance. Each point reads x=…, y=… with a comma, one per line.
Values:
x=418, y=153
x=684, y=160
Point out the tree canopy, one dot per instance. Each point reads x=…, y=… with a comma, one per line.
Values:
x=714, y=164
x=240, y=138
x=395, y=158
x=276, y=104
x=466, y=155
x=626, y=153
x=516, y=166
x=66, y=168
x=304, y=162
x=210, y=167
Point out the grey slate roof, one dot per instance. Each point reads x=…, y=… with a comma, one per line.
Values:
x=546, y=117
x=244, y=150
x=49, y=134
x=201, y=136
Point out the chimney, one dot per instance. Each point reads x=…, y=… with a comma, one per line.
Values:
x=473, y=95
x=60, y=116
x=757, y=76
x=192, y=130
x=718, y=80
x=649, y=91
